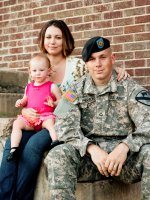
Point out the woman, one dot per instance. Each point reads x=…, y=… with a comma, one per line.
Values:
x=18, y=177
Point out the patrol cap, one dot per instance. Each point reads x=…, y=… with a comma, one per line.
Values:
x=93, y=45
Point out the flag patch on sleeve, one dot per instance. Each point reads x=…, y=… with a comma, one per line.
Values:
x=70, y=96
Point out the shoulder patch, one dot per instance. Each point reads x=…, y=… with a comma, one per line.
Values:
x=143, y=97
x=70, y=96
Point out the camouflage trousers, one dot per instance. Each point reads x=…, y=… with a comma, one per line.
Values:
x=66, y=167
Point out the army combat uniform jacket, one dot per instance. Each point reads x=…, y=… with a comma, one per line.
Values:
x=118, y=112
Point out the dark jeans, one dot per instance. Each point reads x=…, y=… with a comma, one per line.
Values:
x=18, y=178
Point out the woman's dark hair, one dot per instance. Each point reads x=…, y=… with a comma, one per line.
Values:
x=68, y=40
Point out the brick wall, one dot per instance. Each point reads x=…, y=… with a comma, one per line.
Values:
x=124, y=22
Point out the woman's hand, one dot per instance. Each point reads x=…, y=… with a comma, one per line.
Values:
x=122, y=73
x=30, y=114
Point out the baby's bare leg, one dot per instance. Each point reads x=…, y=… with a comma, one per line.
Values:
x=16, y=135
x=49, y=125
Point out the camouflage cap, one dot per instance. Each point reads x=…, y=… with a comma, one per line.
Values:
x=93, y=45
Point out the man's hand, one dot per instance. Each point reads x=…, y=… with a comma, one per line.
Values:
x=116, y=159
x=99, y=158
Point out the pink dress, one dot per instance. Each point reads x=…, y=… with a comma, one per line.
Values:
x=37, y=95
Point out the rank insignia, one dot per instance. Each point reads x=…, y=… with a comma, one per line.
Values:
x=100, y=43
x=70, y=96
x=143, y=97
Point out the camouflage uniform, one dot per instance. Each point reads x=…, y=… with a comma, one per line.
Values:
x=118, y=113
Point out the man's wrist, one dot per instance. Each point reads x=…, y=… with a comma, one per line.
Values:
x=90, y=147
x=125, y=146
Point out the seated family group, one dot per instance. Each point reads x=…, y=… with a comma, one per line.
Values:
x=91, y=117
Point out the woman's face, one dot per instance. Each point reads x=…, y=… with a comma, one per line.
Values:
x=53, y=41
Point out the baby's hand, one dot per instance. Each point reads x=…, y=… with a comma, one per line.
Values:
x=19, y=103
x=49, y=102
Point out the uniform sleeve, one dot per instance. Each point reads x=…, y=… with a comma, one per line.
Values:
x=139, y=111
x=67, y=125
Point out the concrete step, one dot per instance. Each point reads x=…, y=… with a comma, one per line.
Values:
x=7, y=104
x=10, y=77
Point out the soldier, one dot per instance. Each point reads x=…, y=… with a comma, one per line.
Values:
x=105, y=125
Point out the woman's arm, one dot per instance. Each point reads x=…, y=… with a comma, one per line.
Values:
x=57, y=93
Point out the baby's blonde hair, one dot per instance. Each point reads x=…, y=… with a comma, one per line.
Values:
x=41, y=56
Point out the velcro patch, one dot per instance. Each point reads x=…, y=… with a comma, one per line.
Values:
x=143, y=97
x=70, y=96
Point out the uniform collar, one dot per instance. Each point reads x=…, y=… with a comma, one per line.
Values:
x=90, y=88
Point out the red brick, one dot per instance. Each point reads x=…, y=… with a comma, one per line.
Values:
x=102, y=8
x=123, y=22
x=123, y=5
x=102, y=24
x=57, y=8
x=24, y=57
x=9, y=44
x=30, y=49
x=18, y=64
x=25, y=13
x=142, y=19
x=32, y=5
x=113, y=31
x=122, y=38
x=135, y=63
x=142, y=36
x=32, y=19
x=92, y=18
x=31, y=34
x=4, y=10
x=148, y=62
x=1, y=4
x=65, y=14
x=112, y=15
x=148, y=9
x=142, y=72
x=3, y=65
x=117, y=47
x=16, y=36
x=10, y=58
x=17, y=7
x=10, y=30
x=124, y=56
x=16, y=50
x=141, y=2
x=142, y=54
x=92, y=2
x=10, y=16
x=80, y=27
x=74, y=20
x=46, y=17
x=10, y=2
x=25, y=27
x=75, y=4
x=3, y=51
x=134, y=46
x=134, y=11
x=48, y=2
x=82, y=11
x=39, y=11
x=134, y=29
